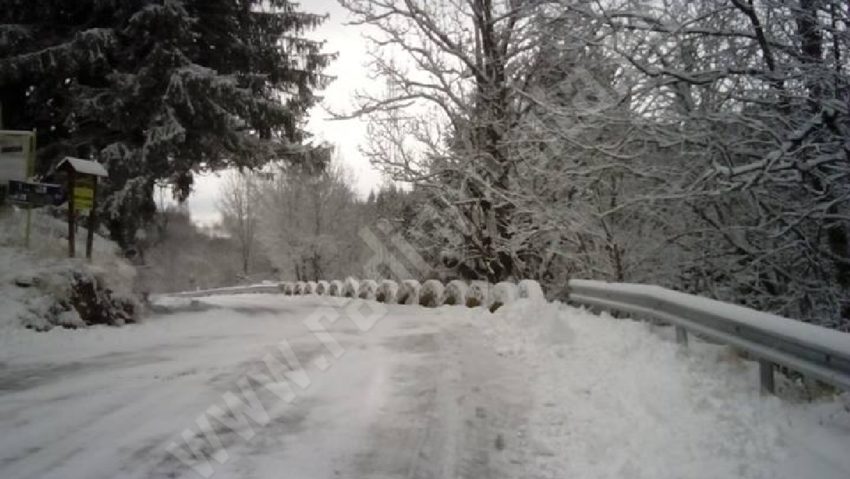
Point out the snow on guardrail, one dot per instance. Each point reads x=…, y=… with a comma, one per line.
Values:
x=264, y=288
x=818, y=352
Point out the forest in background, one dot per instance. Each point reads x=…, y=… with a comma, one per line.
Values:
x=702, y=145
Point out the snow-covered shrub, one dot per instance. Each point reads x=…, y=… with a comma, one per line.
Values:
x=323, y=288
x=431, y=294
x=351, y=287
x=311, y=287
x=368, y=289
x=288, y=288
x=502, y=294
x=301, y=287
x=387, y=291
x=408, y=292
x=530, y=289
x=455, y=293
x=478, y=294
x=336, y=288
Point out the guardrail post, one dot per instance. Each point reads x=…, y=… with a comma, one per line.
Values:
x=766, y=377
x=682, y=336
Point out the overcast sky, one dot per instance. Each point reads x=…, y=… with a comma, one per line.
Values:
x=351, y=75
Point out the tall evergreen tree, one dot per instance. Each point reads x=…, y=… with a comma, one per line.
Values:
x=158, y=89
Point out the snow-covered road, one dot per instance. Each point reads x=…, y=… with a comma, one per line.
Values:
x=330, y=388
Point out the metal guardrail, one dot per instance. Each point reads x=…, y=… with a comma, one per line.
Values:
x=251, y=289
x=814, y=351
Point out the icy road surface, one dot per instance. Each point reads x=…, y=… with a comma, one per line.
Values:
x=266, y=386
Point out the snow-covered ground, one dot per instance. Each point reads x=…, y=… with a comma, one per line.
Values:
x=535, y=390
x=47, y=272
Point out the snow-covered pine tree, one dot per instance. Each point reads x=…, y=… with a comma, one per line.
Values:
x=158, y=89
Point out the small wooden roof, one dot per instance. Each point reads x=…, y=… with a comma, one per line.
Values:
x=85, y=167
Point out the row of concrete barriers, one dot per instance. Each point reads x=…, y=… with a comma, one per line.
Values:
x=431, y=293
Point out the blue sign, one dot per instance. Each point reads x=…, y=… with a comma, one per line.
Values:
x=34, y=194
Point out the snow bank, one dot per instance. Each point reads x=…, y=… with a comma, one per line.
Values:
x=431, y=294
x=41, y=288
x=337, y=288
x=478, y=294
x=387, y=291
x=368, y=289
x=455, y=293
x=323, y=288
x=408, y=292
x=616, y=398
x=350, y=288
x=530, y=289
x=503, y=293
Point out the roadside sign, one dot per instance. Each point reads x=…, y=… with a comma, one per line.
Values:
x=34, y=194
x=84, y=193
x=82, y=185
x=17, y=149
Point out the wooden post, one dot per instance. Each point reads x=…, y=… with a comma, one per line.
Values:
x=682, y=336
x=92, y=220
x=71, y=226
x=28, y=227
x=766, y=377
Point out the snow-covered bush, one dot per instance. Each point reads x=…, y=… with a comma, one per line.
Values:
x=502, y=294
x=311, y=287
x=336, y=288
x=478, y=294
x=301, y=287
x=408, y=292
x=455, y=293
x=530, y=289
x=288, y=288
x=387, y=291
x=351, y=287
x=323, y=288
x=431, y=294
x=368, y=289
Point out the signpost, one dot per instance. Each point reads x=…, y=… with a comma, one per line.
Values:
x=82, y=195
x=17, y=155
x=17, y=164
x=29, y=195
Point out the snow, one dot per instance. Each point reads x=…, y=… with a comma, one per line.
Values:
x=46, y=265
x=337, y=288
x=387, y=291
x=537, y=389
x=528, y=288
x=455, y=292
x=431, y=294
x=368, y=289
x=408, y=292
x=504, y=293
x=617, y=399
x=85, y=167
x=478, y=294
x=350, y=288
